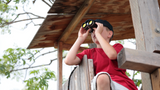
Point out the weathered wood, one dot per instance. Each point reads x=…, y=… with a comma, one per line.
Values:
x=91, y=70
x=59, y=66
x=138, y=60
x=145, y=16
x=77, y=18
x=155, y=76
x=54, y=25
x=85, y=81
x=99, y=6
x=82, y=76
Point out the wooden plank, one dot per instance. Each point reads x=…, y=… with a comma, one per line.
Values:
x=67, y=7
x=138, y=60
x=65, y=85
x=145, y=16
x=150, y=18
x=59, y=66
x=77, y=18
x=156, y=79
x=91, y=71
x=82, y=76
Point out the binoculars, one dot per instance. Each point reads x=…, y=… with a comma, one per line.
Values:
x=89, y=24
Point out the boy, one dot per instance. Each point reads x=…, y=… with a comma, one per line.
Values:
x=108, y=75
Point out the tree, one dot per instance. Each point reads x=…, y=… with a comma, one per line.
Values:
x=15, y=60
x=9, y=16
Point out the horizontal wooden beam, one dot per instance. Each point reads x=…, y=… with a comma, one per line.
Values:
x=138, y=60
x=77, y=18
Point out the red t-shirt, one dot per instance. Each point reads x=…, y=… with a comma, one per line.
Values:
x=103, y=64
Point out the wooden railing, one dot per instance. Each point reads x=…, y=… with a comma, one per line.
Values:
x=81, y=77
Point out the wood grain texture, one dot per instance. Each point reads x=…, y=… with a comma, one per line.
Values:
x=138, y=60
x=76, y=19
x=155, y=76
x=81, y=77
x=145, y=14
x=99, y=6
x=54, y=25
x=68, y=18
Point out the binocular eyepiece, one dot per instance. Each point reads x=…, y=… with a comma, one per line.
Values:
x=89, y=24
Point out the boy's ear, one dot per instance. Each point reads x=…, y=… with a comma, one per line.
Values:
x=110, y=34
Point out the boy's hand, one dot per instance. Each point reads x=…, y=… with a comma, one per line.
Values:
x=83, y=33
x=99, y=28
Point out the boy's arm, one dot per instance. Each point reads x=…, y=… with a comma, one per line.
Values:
x=71, y=58
x=107, y=48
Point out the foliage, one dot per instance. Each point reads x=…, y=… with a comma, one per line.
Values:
x=120, y=41
x=39, y=82
x=7, y=12
x=11, y=10
x=14, y=58
x=136, y=81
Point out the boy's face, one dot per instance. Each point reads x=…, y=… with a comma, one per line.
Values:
x=106, y=34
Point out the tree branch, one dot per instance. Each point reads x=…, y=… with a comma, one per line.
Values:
x=13, y=21
x=45, y=53
x=8, y=2
x=36, y=66
x=19, y=21
x=46, y=3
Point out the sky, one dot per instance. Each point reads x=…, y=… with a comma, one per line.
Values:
x=22, y=38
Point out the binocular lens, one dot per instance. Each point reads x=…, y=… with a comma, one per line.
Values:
x=84, y=25
x=90, y=22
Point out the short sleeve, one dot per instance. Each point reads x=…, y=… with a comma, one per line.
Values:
x=118, y=47
x=84, y=52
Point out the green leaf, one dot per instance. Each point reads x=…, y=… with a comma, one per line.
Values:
x=127, y=73
x=24, y=62
x=120, y=41
x=16, y=7
x=137, y=82
x=40, y=82
x=34, y=72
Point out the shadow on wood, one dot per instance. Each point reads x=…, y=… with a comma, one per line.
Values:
x=81, y=77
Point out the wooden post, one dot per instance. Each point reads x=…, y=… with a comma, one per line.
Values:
x=156, y=79
x=146, y=21
x=59, y=66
